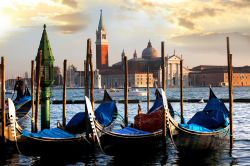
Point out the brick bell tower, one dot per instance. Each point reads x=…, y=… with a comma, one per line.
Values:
x=101, y=46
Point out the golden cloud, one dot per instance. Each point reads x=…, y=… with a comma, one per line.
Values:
x=62, y=14
x=70, y=23
x=196, y=16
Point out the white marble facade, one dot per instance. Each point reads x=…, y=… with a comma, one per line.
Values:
x=173, y=72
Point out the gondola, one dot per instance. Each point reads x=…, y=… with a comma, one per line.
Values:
x=72, y=139
x=23, y=104
x=131, y=139
x=207, y=130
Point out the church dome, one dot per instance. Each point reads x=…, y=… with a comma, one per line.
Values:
x=149, y=52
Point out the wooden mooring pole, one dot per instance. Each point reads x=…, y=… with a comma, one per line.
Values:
x=126, y=91
x=163, y=67
x=230, y=90
x=38, y=76
x=164, y=126
x=3, y=99
x=91, y=75
x=32, y=96
x=181, y=91
x=64, y=92
x=86, y=64
x=148, y=93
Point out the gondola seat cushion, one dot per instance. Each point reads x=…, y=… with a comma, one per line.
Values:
x=149, y=122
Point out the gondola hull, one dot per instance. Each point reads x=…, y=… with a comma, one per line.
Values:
x=186, y=140
x=115, y=144
x=31, y=146
x=210, y=135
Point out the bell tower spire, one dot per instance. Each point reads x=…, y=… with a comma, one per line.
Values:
x=101, y=45
x=101, y=23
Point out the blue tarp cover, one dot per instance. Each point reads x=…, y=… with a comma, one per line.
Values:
x=130, y=131
x=157, y=104
x=22, y=101
x=76, y=123
x=213, y=116
x=195, y=127
x=54, y=133
x=104, y=114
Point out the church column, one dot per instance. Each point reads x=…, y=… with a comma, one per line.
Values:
x=171, y=74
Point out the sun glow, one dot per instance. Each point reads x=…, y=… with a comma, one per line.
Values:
x=5, y=25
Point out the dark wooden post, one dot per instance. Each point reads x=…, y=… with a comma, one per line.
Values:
x=87, y=69
x=126, y=91
x=164, y=126
x=32, y=96
x=91, y=74
x=181, y=91
x=64, y=92
x=148, y=94
x=39, y=65
x=230, y=82
x=87, y=86
x=163, y=67
x=3, y=100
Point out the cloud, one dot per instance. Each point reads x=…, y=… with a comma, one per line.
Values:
x=71, y=3
x=237, y=3
x=70, y=23
x=196, y=16
x=206, y=11
x=186, y=23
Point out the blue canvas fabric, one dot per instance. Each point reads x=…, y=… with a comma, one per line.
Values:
x=54, y=133
x=195, y=127
x=104, y=115
x=130, y=131
x=157, y=104
x=22, y=101
x=213, y=116
x=76, y=123
x=105, y=112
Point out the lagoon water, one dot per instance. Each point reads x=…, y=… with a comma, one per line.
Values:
x=240, y=154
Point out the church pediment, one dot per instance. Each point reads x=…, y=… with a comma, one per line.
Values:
x=174, y=57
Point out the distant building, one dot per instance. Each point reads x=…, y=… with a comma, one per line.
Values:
x=101, y=46
x=97, y=79
x=116, y=80
x=113, y=76
x=76, y=79
x=205, y=75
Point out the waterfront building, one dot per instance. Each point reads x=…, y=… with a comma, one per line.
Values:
x=205, y=75
x=113, y=76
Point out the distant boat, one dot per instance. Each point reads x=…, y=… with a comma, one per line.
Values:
x=9, y=92
x=131, y=92
x=201, y=101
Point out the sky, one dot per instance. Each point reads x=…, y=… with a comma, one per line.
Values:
x=195, y=29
